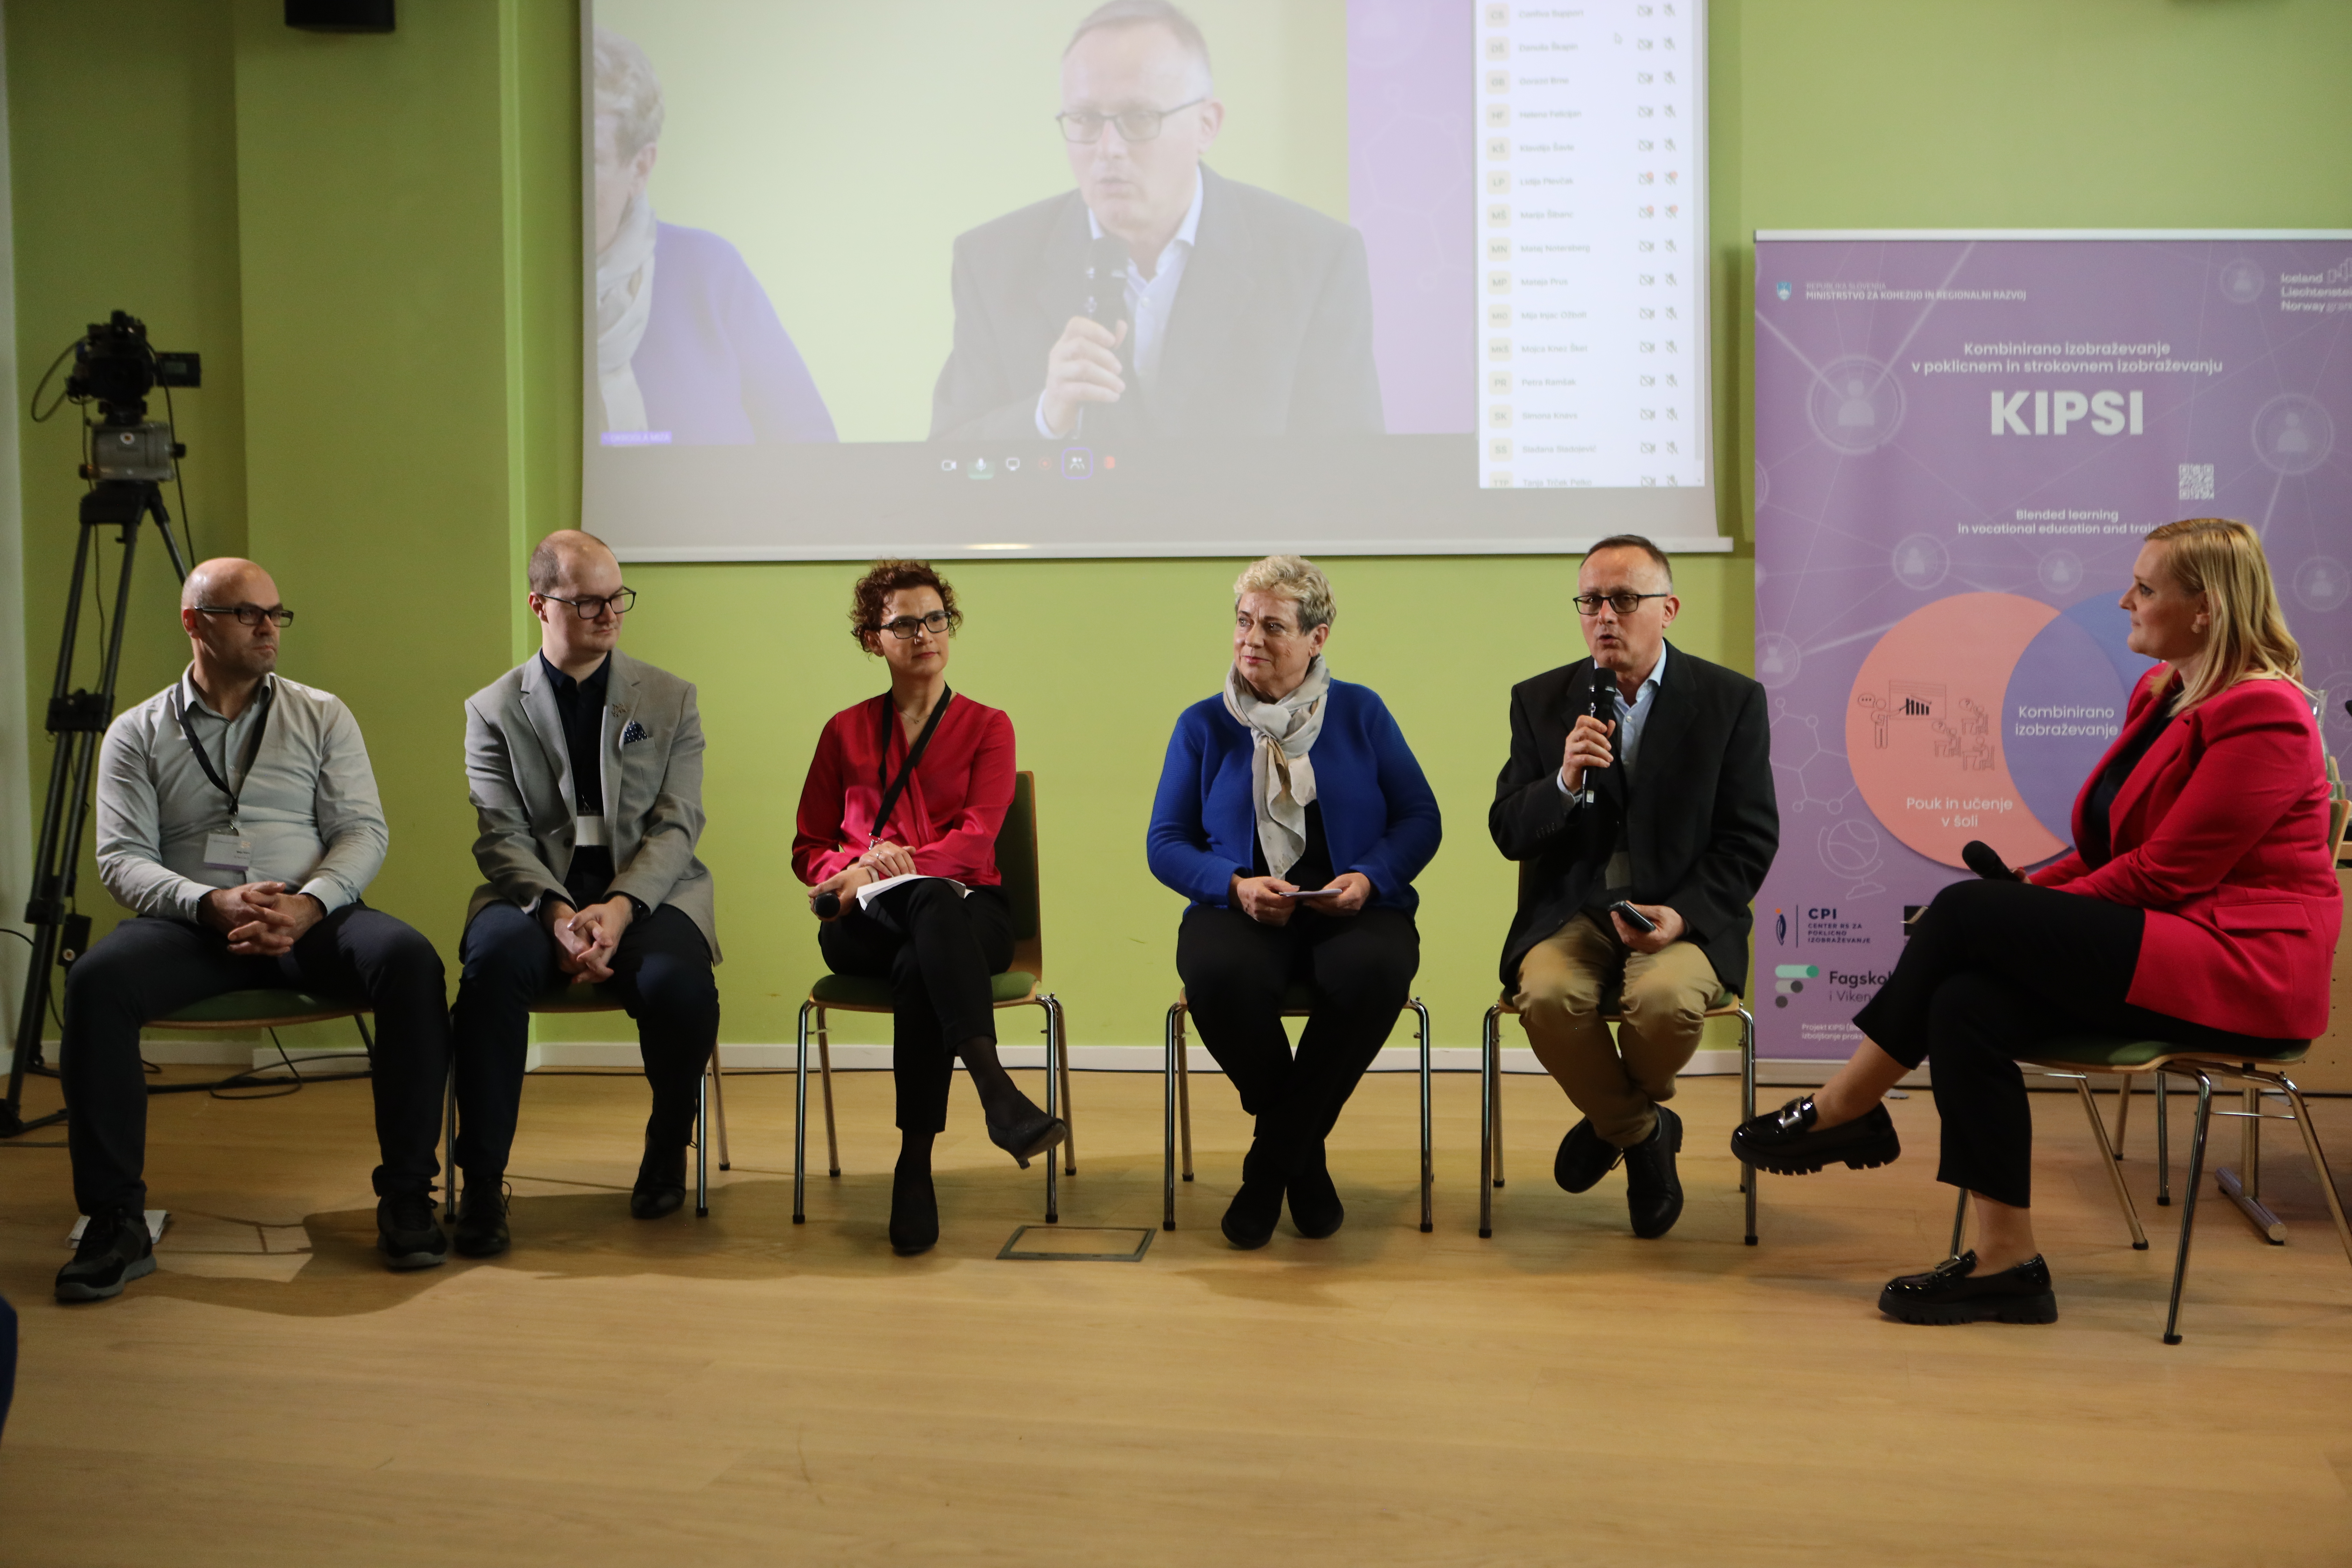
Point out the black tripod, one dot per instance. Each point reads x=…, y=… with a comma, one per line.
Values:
x=77, y=718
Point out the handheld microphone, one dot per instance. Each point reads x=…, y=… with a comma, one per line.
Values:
x=1986, y=862
x=1107, y=286
x=826, y=907
x=1601, y=681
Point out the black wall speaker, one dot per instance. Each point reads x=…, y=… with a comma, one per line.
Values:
x=339, y=16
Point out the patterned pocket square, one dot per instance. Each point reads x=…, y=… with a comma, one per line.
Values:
x=634, y=732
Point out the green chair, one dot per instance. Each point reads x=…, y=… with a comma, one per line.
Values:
x=1490, y=1070
x=585, y=999
x=1298, y=1002
x=1016, y=862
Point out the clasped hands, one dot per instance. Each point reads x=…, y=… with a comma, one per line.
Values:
x=584, y=939
x=262, y=919
x=880, y=863
x=1260, y=897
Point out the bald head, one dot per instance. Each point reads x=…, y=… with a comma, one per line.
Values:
x=566, y=557
x=227, y=580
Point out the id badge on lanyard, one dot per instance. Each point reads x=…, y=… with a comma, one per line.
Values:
x=231, y=850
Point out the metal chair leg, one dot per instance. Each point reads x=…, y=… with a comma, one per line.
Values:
x=824, y=1079
x=2318, y=1159
x=1487, y=1050
x=1960, y=1222
x=2123, y=1109
x=1748, y=1110
x=1498, y=1101
x=1052, y=1104
x=449, y=1146
x=2243, y=1187
x=800, y=1122
x=2188, y=1202
x=1421, y=1009
x=718, y=1097
x=2123, y=1193
x=1060, y=1040
x=1168, y=1107
x=702, y=1149
x=2163, y=1145
x=1183, y=1092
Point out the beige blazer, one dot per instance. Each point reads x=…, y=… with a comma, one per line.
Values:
x=519, y=774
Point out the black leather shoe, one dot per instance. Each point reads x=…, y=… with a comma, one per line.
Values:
x=1654, y=1192
x=1584, y=1158
x=407, y=1234
x=113, y=1251
x=1787, y=1143
x=1953, y=1293
x=482, y=1218
x=1315, y=1205
x=661, y=1183
x=914, y=1208
x=1251, y=1217
x=1029, y=1133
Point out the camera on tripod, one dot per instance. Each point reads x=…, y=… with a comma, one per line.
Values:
x=115, y=367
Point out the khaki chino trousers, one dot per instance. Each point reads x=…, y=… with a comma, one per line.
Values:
x=1664, y=996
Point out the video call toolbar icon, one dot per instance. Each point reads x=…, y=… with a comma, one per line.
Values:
x=1077, y=462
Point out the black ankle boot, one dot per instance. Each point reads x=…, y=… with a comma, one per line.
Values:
x=914, y=1205
x=1251, y=1217
x=660, y=1188
x=1315, y=1206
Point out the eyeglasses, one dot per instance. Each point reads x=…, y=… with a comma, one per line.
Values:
x=589, y=608
x=250, y=614
x=1624, y=604
x=1085, y=126
x=906, y=628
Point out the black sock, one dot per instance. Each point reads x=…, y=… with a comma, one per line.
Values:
x=915, y=1150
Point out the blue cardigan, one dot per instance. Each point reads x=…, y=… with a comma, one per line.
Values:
x=1379, y=814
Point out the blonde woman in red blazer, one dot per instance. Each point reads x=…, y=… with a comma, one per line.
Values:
x=2198, y=906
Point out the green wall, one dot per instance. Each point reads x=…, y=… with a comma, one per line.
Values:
x=372, y=241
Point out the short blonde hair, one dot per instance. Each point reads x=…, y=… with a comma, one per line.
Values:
x=627, y=89
x=1295, y=578
x=2222, y=559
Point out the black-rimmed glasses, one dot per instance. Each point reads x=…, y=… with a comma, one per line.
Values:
x=592, y=606
x=1624, y=604
x=906, y=628
x=249, y=614
x=1085, y=126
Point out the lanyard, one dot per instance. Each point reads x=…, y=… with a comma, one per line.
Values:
x=252, y=748
x=892, y=788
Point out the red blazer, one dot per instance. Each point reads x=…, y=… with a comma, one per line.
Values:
x=2221, y=834
x=949, y=814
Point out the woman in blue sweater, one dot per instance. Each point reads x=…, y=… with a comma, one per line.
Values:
x=1293, y=815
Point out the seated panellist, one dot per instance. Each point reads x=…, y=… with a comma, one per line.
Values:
x=585, y=770
x=237, y=817
x=1638, y=802
x=1294, y=817
x=2197, y=908
x=898, y=828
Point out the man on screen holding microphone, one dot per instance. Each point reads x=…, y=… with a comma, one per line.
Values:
x=1638, y=800
x=1158, y=298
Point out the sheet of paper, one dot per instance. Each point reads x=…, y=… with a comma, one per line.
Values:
x=873, y=891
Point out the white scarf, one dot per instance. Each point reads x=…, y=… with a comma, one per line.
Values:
x=624, y=299
x=1282, y=779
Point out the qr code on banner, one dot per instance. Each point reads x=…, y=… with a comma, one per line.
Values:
x=2196, y=482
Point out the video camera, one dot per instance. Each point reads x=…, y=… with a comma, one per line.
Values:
x=115, y=367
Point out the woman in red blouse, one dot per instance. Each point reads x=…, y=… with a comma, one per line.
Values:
x=2197, y=907
x=910, y=852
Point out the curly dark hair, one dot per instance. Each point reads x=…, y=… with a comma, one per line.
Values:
x=886, y=577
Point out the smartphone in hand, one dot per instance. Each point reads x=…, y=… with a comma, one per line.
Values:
x=1632, y=917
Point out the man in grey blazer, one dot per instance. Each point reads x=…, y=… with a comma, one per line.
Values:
x=1223, y=310
x=585, y=770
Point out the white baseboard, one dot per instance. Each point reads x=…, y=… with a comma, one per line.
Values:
x=1083, y=1058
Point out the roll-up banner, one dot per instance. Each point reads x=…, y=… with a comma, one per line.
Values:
x=1961, y=439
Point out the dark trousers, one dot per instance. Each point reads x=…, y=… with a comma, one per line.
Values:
x=1234, y=972
x=661, y=974
x=1992, y=970
x=150, y=966
x=937, y=950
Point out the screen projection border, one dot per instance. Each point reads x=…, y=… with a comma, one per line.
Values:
x=855, y=513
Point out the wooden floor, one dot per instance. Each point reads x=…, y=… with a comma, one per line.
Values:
x=739, y=1391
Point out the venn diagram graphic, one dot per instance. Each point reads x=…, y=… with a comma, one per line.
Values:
x=1980, y=716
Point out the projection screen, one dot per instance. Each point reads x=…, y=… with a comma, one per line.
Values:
x=947, y=278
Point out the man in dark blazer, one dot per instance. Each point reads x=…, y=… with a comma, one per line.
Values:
x=1678, y=823
x=1225, y=310
x=585, y=770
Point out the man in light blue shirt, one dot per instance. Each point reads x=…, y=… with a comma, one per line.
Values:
x=237, y=817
